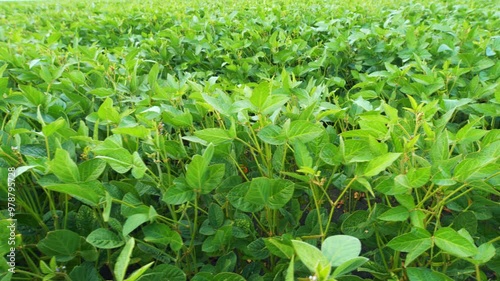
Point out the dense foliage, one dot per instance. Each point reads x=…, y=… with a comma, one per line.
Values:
x=244, y=140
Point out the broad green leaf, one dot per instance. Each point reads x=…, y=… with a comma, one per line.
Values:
x=53, y=127
x=138, y=166
x=260, y=94
x=425, y=274
x=366, y=184
x=228, y=276
x=84, y=272
x=310, y=256
x=273, y=103
x=272, y=134
x=179, y=193
x=417, y=218
x=379, y=164
x=466, y=220
x=339, y=249
x=218, y=241
x=102, y=92
x=398, y=213
x=279, y=248
x=257, y=249
x=302, y=156
x=290, y=270
x=418, y=177
x=104, y=239
x=215, y=215
x=237, y=198
x=330, y=154
x=162, y=234
x=466, y=169
x=90, y=170
x=418, y=238
x=89, y=193
x=196, y=172
x=63, y=244
x=356, y=151
x=123, y=260
x=120, y=162
x=415, y=243
x=164, y=272
x=133, y=222
x=139, y=272
x=484, y=254
x=138, y=131
x=358, y=224
x=214, y=135
x=272, y=193
x=107, y=112
x=349, y=266
x=303, y=131
x=450, y=241
x=213, y=178
x=64, y=167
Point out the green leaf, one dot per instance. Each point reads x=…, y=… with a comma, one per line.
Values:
x=272, y=193
x=162, y=234
x=89, y=193
x=279, y=248
x=123, y=260
x=85, y=272
x=366, y=184
x=260, y=94
x=90, y=170
x=64, y=167
x=330, y=154
x=138, y=166
x=213, y=178
x=272, y=134
x=196, y=170
x=310, y=256
x=63, y=244
x=107, y=112
x=349, y=266
x=303, y=131
x=214, y=135
x=302, y=156
x=121, y=162
x=139, y=272
x=415, y=243
x=237, y=198
x=215, y=215
x=179, y=193
x=218, y=241
x=356, y=151
x=484, y=254
x=49, y=129
x=290, y=270
x=358, y=224
x=418, y=177
x=379, y=164
x=450, y=241
x=102, y=92
x=133, y=222
x=104, y=239
x=164, y=272
x=138, y=131
x=466, y=220
x=425, y=274
x=339, y=249
x=398, y=213
x=228, y=276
